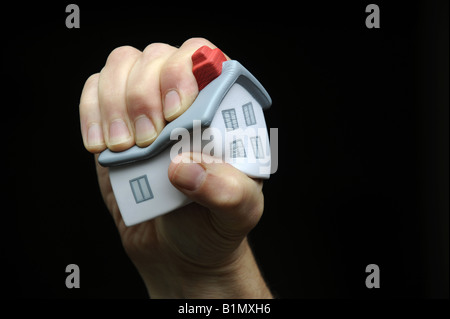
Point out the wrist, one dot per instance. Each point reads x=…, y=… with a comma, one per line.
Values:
x=237, y=278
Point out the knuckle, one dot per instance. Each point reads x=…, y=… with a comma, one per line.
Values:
x=120, y=53
x=92, y=80
x=233, y=193
x=156, y=49
x=173, y=67
x=89, y=95
x=175, y=74
x=137, y=99
x=198, y=41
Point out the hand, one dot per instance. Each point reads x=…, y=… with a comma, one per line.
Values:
x=200, y=250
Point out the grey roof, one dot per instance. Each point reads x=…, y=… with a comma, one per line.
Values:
x=204, y=108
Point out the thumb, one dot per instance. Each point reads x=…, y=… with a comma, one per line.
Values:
x=235, y=200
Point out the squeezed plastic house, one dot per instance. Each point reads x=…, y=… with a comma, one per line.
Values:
x=229, y=107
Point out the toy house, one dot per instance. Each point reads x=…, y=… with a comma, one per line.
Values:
x=228, y=117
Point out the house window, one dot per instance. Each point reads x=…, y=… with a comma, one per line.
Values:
x=141, y=189
x=249, y=114
x=237, y=149
x=257, y=147
x=230, y=119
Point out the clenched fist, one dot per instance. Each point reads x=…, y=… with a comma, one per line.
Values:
x=200, y=250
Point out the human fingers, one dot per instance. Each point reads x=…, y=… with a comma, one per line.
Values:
x=117, y=128
x=90, y=117
x=143, y=94
x=235, y=200
x=178, y=85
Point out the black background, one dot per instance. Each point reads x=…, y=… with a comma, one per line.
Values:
x=362, y=116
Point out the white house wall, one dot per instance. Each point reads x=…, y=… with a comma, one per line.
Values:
x=244, y=136
x=143, y=190
x=138, y=207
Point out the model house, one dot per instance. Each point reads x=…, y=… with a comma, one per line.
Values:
x=226, y=120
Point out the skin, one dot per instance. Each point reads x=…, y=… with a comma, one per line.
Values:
x=200, y=250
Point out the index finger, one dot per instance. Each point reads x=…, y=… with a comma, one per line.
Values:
x=179, y=86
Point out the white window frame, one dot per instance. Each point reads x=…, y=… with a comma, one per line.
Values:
x=249, y=114
x=140, y=188
x=230, y=119
x=237, y=149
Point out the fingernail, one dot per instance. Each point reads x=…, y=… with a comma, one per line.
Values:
x=172, y=104
x=145, y=130
x=118, y=132
x=189, y=176
x=95, y=135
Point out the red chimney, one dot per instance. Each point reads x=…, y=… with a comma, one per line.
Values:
x=207, y=65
